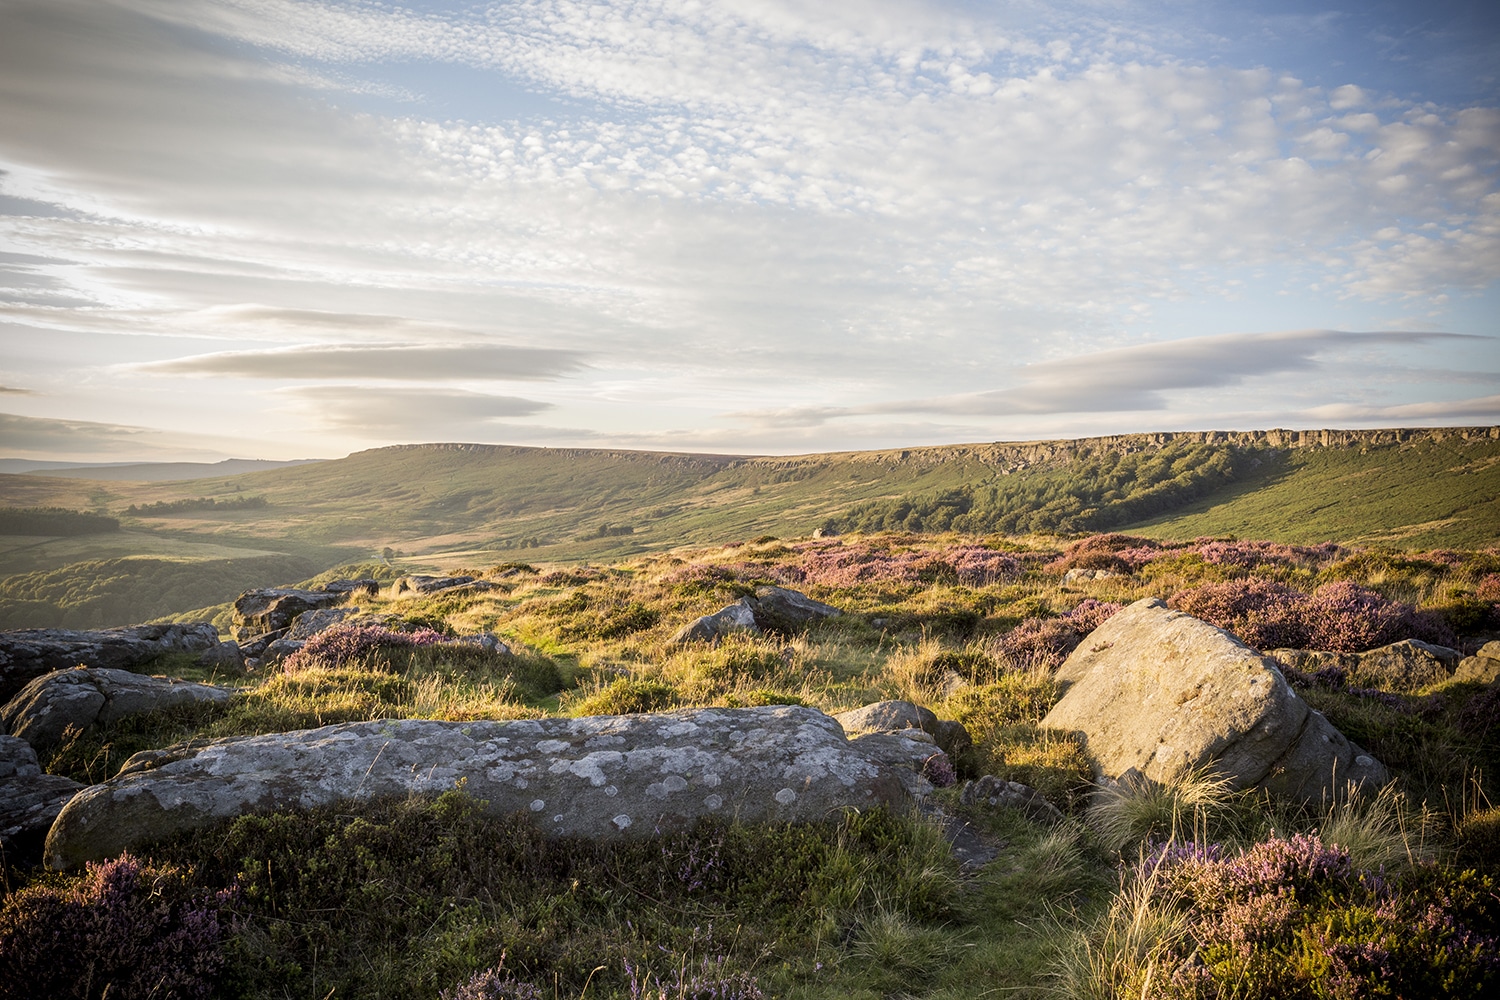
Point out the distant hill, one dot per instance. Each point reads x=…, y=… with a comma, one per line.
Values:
x=450, y=505
x=144, y=472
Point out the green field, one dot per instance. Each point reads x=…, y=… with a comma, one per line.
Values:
x=446, y=506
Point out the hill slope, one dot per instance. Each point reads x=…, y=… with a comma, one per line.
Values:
x=453, y=504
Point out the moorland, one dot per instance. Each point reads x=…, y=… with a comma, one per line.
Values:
x=965, y=576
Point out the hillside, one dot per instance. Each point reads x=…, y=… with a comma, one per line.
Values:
x=448, y=505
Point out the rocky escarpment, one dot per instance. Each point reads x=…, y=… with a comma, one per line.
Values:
x=600, y=776
x=1158, y=692
x=29, y=653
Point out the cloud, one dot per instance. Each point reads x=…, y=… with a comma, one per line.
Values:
x=1129, y=379
x=410, y=414
x=13, y=390
x=47, y=436
x=1485, y=408
x=454, y=362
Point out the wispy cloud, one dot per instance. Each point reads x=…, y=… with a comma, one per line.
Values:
x=404, y=362
x=409, y=414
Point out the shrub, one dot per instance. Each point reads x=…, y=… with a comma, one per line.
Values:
x=123, y=930
x=710, y=982
x=1048, y=641
x=345, y=644
x=627, y=696
x=1263, y=613
x=492, y=984
x=1295, y=917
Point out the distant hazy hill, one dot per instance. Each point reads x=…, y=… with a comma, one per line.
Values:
x=143, y=472
x=448, y=505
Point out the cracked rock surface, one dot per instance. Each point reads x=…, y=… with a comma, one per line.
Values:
x=29, y=799
x=600, y=776
x=84, y=697
x=29, y=653
x=1160, y=691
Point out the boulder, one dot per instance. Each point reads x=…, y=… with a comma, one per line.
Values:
x=350, y=588
x=86, y=696
x=778, y=609
x=772, y=609
x=29, y=799
x=1162, y=692
x=1404, y=666
x=277, y=650
x=31, y=653
x=1481, y=668
x=487, y=641
x=1082, y=575
x=897, y=716
x=597, y=777
x=273, y=609
x=310, y=623
x=997, y=793
x=738, y=617
x=420, y=584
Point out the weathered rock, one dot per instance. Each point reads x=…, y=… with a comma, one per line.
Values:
x=895, y=716
x=772, y=609
x=487, y=641
x=85, y=696
x=225, y=656
x=599, y=776
x=31, y=653
x=1077, y=575
x=997, y=793
x=1481, y=668
x=310, y=623
x=778, y=609
x=278, y=650
x=738, y=617
x=1404, y=666
x=420, y=584
x=350, y=588
x=273, y=609
x=1162, y=692
x=29, y=799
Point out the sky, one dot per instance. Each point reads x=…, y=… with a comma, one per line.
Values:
x=295, y=229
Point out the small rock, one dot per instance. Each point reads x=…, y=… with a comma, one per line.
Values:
x=1481, y=668
x=778, y=609
x=997, y=793
x=895, y=716
x=84, y=697
x=278, y=650
x=310, y=623
x=1083, y=575
x=29, y=799
x=421, y=584
x=738, y=617
x=487, y=641
x=366, y=587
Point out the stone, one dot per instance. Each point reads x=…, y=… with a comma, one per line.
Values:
x=1078, y=575
x=772, y=609
x=277, y=650
x=738, y=617
x=778, y=609
x=487, y=641
x=895, y=716
x=273, y=609
x=351, y=588
x=1481, y=668
x=88, y=696
x=1404, y=666
x=30, y=653
x=225, y=656
x=29, y=799
x=421, y=584
x=998, y=793
x=1162, y=692
x=310, y=623
x=596, y=777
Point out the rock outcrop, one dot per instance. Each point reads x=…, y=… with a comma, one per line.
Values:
x=29, y=799
x=897, y=716
x=310, y=623
x=1403, y=666
x=420, y=584
x=88, y=696
x=30, y=653
x=270, y=610
x=1481, y=668
x=599, y=776
x=772, y=609
x=1161, y=692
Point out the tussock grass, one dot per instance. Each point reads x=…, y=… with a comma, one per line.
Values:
x=1137, y=809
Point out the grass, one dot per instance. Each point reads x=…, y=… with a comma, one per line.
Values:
x=410, y=898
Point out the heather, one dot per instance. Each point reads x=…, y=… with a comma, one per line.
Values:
x=428, y=898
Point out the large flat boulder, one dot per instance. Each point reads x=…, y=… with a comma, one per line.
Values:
x=89, y=696
x=1160, y=692
x=600, y=776
x=29, y=653
x=29, y=799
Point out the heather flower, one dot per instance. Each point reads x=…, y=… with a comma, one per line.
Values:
x=1050, y=640
x=938, y=769
x=493, y=984
x=710, y=982
x=123, y=930
x=348, y=643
